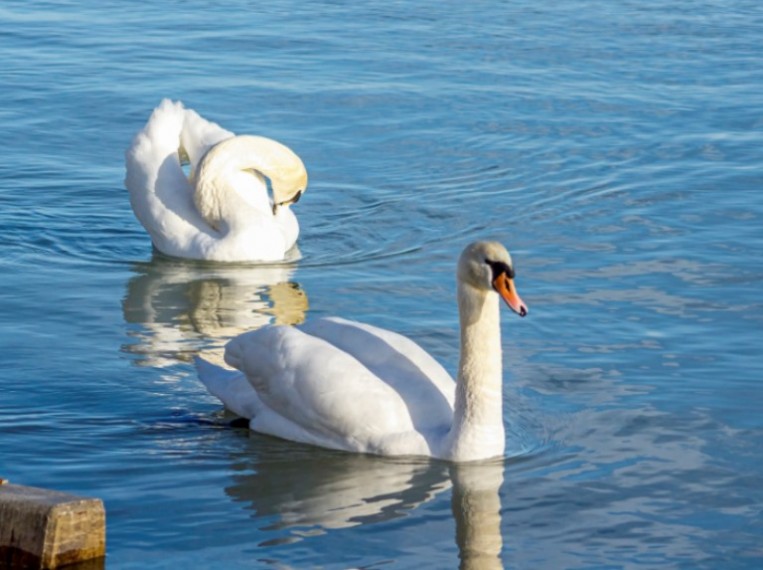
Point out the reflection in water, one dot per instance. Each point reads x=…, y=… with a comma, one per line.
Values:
x=323, y=491
x=477, y=510
x=183, y=306
x=312, y=491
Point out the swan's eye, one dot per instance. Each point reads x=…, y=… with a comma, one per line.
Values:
x=499, y=267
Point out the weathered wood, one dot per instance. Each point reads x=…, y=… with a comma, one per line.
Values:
x=40, y=528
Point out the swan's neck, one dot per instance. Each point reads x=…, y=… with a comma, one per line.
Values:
x=230, y=180
x=225, y=197
x=477, y=431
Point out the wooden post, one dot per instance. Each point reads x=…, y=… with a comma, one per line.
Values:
x=40, y=528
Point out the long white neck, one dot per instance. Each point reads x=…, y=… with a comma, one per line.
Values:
x=477, y=431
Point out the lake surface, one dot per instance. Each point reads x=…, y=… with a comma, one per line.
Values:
x=615, y=148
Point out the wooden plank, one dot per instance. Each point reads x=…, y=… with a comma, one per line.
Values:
x=40, y=528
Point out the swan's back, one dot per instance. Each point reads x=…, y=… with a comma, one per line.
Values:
x=399, y=362
x=337, y=384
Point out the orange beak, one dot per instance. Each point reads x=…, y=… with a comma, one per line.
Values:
x=504, y=285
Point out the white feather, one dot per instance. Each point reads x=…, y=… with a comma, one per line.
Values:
x=175, y=211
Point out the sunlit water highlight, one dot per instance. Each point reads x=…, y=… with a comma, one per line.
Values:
x=615, y=148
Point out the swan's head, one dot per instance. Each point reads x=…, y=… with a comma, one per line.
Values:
x=289, y=184
x=269, y=158
x=281, y=165
x=487, y=265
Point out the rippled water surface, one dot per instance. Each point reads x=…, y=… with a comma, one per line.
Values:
x=615, y=148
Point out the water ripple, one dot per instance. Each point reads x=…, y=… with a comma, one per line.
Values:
x=615, y=149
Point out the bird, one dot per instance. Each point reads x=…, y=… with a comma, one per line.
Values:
x=222, y=210
x=351, y=386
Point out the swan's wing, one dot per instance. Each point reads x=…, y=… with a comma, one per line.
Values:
x=316, y=393
x=397, y=360
x=160, y=193
x=230, y=386
x=199, y=135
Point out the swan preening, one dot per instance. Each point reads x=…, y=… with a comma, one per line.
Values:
x=346, y=385
x=223, y=211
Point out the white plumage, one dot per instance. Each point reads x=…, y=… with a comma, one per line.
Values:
x=223, y=212
x=345, y=385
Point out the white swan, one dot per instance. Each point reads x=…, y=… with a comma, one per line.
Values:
x=223, y=213
x=345, y=385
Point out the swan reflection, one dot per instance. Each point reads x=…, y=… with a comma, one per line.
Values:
x=184, y=306
x=311, y=492
x=477, y=510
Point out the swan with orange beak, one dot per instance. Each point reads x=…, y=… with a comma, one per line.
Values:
x=352, y=386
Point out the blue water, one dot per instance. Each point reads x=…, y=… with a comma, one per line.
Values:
x=615, y=148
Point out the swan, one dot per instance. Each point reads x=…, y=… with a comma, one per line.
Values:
x=222, y=212
x=351, y=386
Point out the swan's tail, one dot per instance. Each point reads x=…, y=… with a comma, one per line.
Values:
x=230, y=386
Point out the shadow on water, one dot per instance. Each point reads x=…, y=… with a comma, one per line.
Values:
x=180, y=308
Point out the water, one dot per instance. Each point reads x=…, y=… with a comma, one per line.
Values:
x=615, y=148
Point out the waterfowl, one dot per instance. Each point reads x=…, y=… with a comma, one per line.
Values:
x=222, y=211
x=346, y=385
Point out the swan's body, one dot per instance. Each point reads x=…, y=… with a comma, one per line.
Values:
x=351, y=386
x=223, y=212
